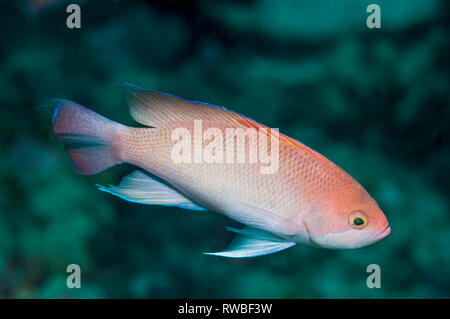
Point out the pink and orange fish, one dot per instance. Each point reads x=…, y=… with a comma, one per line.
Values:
x=308, y=200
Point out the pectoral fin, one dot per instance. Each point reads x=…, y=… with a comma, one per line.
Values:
x=142, y=189
x=252, y=242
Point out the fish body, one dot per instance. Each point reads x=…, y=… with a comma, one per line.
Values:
x=307, y=199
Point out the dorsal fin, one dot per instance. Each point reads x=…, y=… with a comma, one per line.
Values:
x=247, y=122
x=157, y=109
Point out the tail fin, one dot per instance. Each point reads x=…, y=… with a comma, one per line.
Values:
x=89, y=138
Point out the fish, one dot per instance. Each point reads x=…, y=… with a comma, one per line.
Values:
x=306, y=199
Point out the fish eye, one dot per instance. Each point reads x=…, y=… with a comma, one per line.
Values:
x=357, y=219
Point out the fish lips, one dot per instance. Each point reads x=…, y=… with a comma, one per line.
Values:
x=382, y=234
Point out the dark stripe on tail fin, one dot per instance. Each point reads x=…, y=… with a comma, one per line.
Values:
x=89, y=138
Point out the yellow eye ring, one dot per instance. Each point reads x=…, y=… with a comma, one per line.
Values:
x=358, y=219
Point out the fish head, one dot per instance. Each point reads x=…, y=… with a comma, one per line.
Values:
x=350, y=219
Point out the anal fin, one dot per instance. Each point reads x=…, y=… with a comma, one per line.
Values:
x=142, y=189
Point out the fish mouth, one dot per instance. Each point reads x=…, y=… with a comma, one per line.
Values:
x=384, y=233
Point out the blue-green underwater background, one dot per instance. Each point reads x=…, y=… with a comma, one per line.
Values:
x=374, y=101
